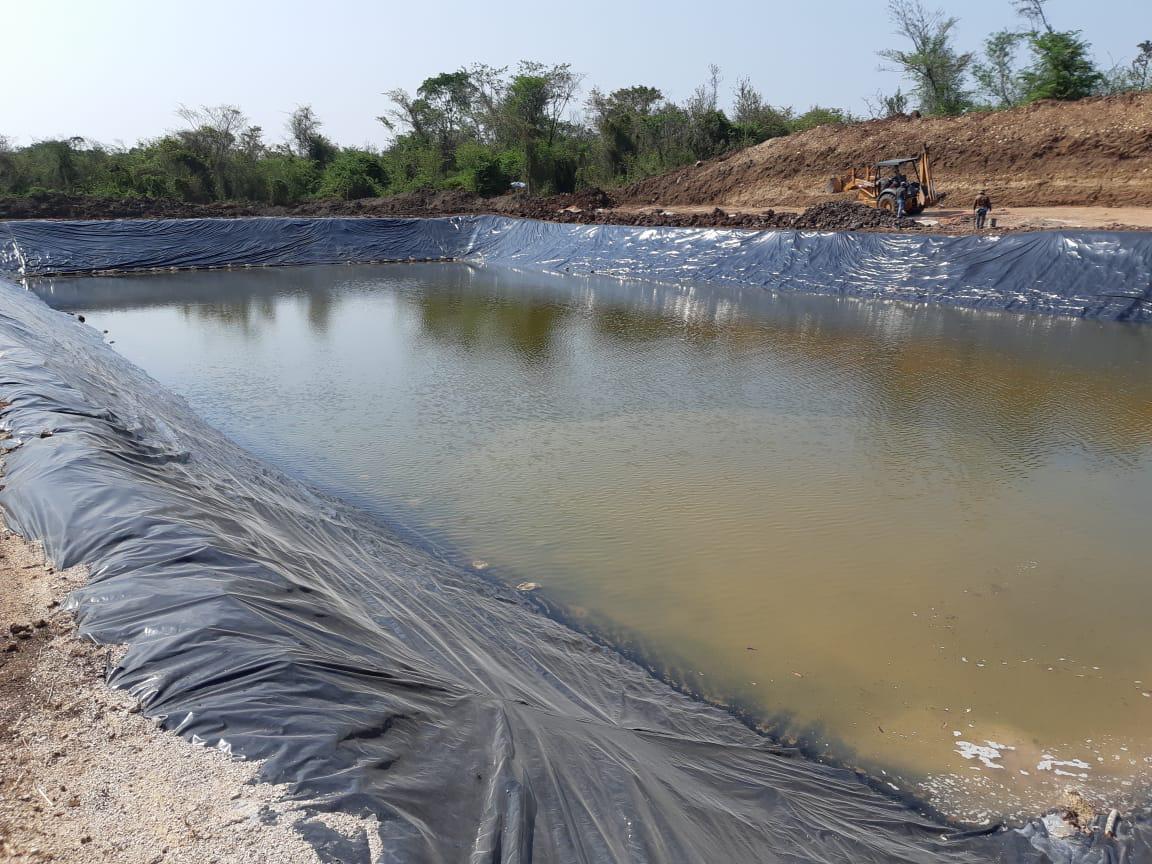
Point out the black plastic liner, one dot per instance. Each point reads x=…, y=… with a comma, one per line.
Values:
x=1093, y=274
x=268, y=620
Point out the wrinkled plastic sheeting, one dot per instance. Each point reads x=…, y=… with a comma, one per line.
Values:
x=40, y=247
x=1091, y=274
x=1086, y=274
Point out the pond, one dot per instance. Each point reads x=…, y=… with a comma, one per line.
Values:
x=914, y=539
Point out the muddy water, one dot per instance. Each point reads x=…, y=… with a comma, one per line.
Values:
x=917, y=539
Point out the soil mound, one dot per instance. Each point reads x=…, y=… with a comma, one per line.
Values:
x=845, y=216
x=1094, y=152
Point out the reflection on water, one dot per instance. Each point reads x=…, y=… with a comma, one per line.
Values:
x=912, y=536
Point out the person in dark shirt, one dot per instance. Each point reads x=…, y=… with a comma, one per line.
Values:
x=982, y=206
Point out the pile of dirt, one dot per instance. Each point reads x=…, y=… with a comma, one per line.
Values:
x=829, y=216
x=846, y=216
x=1092, y=152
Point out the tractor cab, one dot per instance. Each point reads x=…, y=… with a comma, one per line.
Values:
x=889, y=175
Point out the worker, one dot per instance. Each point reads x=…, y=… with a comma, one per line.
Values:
x=982, y=206
x=901, y=195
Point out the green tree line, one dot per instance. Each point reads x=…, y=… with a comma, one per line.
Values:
x=484, y=129
x=1017, y=66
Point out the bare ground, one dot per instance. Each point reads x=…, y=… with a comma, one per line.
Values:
x=86, y=779
x=1091, y=153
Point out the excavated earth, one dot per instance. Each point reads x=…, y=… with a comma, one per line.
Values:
x=589, y=207
x=1095, y=152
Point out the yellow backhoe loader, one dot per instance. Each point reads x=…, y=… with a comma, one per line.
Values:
x=877, y=185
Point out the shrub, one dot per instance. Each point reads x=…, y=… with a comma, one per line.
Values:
x=354, y=174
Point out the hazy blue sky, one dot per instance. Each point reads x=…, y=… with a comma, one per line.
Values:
x=115, y=70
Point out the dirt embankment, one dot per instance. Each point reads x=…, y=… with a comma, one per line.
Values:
x=589, y=207
x=1096, y=152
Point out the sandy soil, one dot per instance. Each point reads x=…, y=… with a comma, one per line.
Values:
x=1032, y=218
x=85, y=779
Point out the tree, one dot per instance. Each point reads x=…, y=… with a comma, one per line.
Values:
x=212, y=136
x=61, y=169
x=407, y=116
x=526, y=114
x=1136, y=75
x=449, y=97
x=704, y=98
x=1033, y=11
x=9, y=172
x=530, y=114
x=895, y=105
x=305, y=139
x=491, y=85
x=997, y=77
x=709, y=131
x=711, y=134
x=756, y=120
x=621, y=122
x=934, y=66
x=1142, y=66
x=1060, y=69
x=561, y=86
x=882, y=106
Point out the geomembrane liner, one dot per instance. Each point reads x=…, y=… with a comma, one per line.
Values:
x=286, y=626
x=1092, y=274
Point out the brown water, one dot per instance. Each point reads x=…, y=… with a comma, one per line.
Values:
x=916, y=538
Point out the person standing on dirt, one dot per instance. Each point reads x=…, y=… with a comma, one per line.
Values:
x=981, y=207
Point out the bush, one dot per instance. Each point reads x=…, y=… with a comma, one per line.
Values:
x=484, y=170
x=287, y=179
x=354, y=174
x=818, y=116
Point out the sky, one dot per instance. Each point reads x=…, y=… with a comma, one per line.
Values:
x=115, y=71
